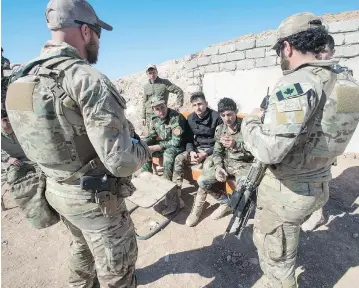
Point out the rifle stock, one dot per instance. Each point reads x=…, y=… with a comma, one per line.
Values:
x=241, y=200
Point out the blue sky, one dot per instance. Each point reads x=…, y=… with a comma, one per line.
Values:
x=153, y=31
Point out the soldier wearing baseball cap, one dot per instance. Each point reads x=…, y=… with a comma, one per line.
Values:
x=157, y=87
x=93, y=143
x=166, y=139
x=299, y=139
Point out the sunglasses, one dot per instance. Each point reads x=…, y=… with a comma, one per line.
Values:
x=96, y=28
x=279, y=48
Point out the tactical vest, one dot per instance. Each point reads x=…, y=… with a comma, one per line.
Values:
x=48, y=122
x=330, y=127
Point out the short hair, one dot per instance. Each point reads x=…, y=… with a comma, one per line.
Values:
x=330, y=42
x=312, y=40
x=197, y=95
x=226, y=104
x=151, y=69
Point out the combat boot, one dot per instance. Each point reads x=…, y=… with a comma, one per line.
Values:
x=221, y=211
x=197, y=208
x=172, y=202
x=316, y=219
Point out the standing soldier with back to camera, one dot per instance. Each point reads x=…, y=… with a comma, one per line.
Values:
x=69, y=118
x=312, y=114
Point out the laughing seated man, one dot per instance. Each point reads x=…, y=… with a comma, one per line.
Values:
x=230, y=159
x=166, y=138
x=202, y=125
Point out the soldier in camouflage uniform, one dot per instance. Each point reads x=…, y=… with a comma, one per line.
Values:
x=166, y=138
x=230, y=159
x=12, y=153
x=159, y=88
x=89, y=136
x=312, y=114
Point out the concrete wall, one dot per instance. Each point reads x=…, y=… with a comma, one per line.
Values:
x=244, y=69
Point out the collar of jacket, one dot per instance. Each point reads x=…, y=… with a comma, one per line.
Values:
x=52, y=48
x=318, y=63
x=206, y=117
x=169, y=115
x=157, y=80
x=237, y=128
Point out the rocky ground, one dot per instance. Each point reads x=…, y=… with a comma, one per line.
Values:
x=180, y=256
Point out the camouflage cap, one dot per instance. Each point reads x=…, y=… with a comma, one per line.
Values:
x=157, y=101
x=297, y=23
x=151, y=66
x=72, y=13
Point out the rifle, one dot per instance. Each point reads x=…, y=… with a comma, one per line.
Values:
x=241, y=201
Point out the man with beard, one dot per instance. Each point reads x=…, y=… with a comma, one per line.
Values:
x=312, y=114
x=230, y=159
x=69, y=118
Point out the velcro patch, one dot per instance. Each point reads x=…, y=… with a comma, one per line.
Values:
x=19, y=96
x=289, y=105
x=177, y=131
x=347, y=99
x=289, y=91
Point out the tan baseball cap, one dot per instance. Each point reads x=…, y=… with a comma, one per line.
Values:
x=151, y=66
x=72, y=13
x=297, y=23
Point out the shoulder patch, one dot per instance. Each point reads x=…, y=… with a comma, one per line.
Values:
x=177, y=131
x=289, y=91
x=289, y=105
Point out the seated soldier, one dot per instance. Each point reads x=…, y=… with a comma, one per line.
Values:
x=202, y=124
x=12, y=153
x=166, y=139
x=230, y=159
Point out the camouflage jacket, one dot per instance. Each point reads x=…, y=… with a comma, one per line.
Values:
x=312, y=114
x=161, y=89
x=95, y=114
x=169, y=132
x=230, y=158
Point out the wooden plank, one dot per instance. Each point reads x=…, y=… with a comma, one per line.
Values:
x=150, y=189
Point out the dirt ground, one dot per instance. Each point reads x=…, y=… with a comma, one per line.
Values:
x=180, y=256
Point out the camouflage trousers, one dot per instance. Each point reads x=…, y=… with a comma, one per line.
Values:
x=182, y=162
x=103, y=249
x=208, y=178
x=169, y=156
x=282, y=206
x=14, y=173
